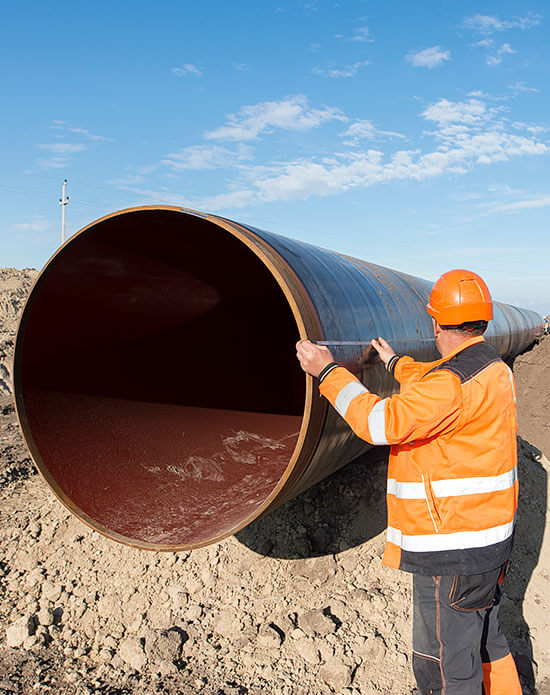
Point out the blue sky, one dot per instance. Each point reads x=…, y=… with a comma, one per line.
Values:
x=413, y=135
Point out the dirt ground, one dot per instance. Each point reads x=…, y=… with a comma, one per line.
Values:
x=298, y=603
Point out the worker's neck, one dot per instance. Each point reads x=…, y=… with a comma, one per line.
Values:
x=447, y=341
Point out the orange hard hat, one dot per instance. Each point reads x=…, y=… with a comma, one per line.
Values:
x=460, y=296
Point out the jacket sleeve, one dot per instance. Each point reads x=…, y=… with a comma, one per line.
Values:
x=429, y=408
x=408, y=371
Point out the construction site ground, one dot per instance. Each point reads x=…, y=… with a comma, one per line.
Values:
x=298, y=603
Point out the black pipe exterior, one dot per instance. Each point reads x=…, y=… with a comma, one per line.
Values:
x=155, y=377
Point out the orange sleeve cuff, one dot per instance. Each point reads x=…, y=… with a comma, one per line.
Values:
x=334, y=381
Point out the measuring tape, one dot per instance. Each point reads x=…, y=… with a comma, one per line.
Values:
x=368, y=342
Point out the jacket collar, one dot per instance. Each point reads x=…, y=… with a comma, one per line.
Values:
x=463, y=346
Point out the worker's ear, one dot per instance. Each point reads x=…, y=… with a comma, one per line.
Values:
x=436, y=327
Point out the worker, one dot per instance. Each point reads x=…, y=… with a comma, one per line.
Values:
x=452, y=484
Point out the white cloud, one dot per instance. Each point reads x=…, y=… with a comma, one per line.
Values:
x=69, y=128
x=36, y=225
x=541, y=201
x=478, y=94
x=506, y=48
x=494, y=53
x=360, y=130
x=445, y=111
x=345, y=71
x=312, y=6
x=496, y=59
x=63, y=147
x=241, y=67
x=465, y=134
x=232, y=199
x=53, y=163
x=529, y=127
x=365, y=130
x=291, y=113
x=187, y=69
x=487, y=24
x=62, y=154
x=227, y=201
x=199, y=157
x=302, y=179
x=521, y=87
x=484, y=43
x=360, y=34
x=86, y=132
x=428, y=58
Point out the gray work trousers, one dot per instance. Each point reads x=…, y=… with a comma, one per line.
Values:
x=455, y=630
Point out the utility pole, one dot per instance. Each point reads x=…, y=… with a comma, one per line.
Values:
x=63, y=201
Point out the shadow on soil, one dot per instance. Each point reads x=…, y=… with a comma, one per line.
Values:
x=343, y=511
x=531, y=518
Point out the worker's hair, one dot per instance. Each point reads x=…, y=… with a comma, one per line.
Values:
x=472, y=328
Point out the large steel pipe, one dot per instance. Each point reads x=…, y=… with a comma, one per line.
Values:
x=155, y=373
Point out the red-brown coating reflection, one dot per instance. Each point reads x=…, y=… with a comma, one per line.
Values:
x=161, y=474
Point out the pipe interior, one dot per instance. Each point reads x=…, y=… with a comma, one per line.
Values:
x=158, y=379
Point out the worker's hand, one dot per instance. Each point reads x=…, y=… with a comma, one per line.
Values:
x=313, y=358
x=383, y=348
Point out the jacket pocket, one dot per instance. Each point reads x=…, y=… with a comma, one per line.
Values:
x=474, y=592
x=430, y=501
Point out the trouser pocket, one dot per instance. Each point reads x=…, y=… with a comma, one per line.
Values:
x=474, y=592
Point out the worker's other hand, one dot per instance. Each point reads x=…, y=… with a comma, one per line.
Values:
x=313, y=358
x=383, y=348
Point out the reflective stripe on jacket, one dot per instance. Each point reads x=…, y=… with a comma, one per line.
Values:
x=452, y=474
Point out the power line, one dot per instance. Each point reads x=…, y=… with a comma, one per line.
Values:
x=55, y=178
x=271, y=223
x=42, y=194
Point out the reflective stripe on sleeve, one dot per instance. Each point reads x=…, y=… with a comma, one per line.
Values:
x=510, y=374
x=451, y=541
x=406, y=491
x=377, y=423
x=346, y=395
x=453, y=488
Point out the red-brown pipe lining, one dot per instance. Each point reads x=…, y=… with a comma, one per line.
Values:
x=158, y=384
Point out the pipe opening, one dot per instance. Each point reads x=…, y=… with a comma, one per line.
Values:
x=158, y=386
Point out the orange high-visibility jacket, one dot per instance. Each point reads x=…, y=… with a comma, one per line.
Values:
x=452, y=475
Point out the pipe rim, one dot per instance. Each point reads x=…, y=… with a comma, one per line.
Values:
x=309, y=327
